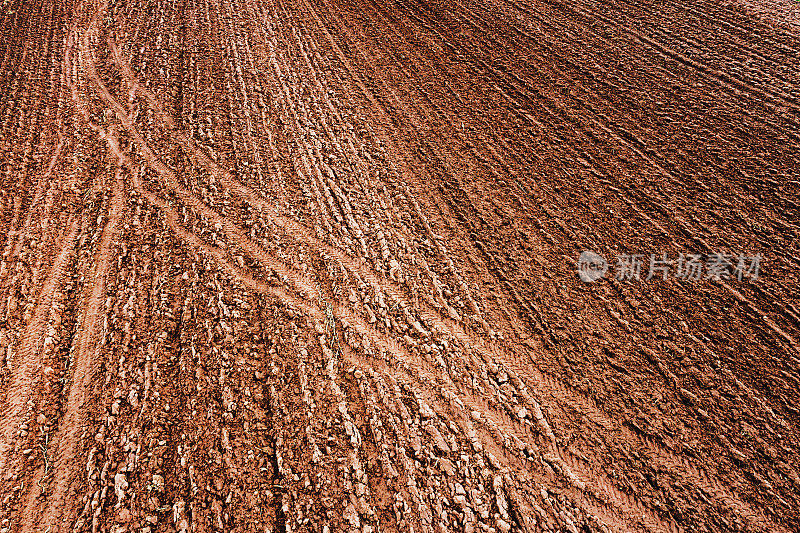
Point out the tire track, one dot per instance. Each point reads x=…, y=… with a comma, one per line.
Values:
x=28, y=361
x=87, y=347
x=83, y=370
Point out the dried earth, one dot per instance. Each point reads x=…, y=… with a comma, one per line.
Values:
x=276, y=266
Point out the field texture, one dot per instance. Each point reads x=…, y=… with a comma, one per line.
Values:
x=310, y=265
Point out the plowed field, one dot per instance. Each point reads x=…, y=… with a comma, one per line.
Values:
x=311, y=265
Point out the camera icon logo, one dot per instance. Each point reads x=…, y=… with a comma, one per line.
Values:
x=591, y=266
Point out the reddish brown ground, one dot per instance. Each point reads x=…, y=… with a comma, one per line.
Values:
x=273, y=266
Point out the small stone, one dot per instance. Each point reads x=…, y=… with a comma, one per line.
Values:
x=120, y=486
x=416, y=445
x=447, y=467
x=351, y=516
x=438, y=440
x=425, y=411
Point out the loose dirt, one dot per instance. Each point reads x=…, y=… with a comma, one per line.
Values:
x=312, y=266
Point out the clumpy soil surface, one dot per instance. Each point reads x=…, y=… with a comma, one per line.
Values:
x=282, y=266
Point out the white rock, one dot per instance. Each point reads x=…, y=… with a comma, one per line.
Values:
x=120, y=486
